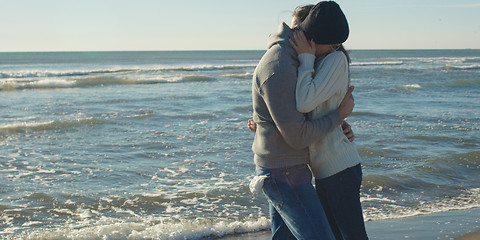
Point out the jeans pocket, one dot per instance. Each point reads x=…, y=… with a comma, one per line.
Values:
x=271, y=190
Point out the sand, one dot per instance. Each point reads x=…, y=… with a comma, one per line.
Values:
x=470, y=236
x=458, y=225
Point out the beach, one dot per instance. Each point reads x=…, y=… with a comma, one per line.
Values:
x=155, y=145
x=458, y=225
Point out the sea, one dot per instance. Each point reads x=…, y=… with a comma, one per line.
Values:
x=155, y=144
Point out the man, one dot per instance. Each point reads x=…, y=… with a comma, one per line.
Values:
x=282, y=139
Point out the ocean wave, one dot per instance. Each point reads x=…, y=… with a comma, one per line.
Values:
x=433, y=139
x=469, y=160
x=369, y=152
x=376, y=181
x=469, y=67
x=96, y=81
x=150, y=228
x=68, y=73
x=377, y=63
x=149, y=69
x=464, y=82
x=91, y=224
x=19, y=125
x=40, y=84
x=436, y=171
x=46, y=126
x=246, y=75
x=63, y=83
x=408, y=87
x=371, y=114
x=359, y=71
x=242, y=109
x=468, y=60
x=207, y=67
x=382, y=208
x=197, y=78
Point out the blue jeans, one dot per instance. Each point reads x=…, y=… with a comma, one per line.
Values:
x=295, y=210
x=340, y=197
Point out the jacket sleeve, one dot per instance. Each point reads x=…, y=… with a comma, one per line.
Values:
x=279, y=96
x=315, y=87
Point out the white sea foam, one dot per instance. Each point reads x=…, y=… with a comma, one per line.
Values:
x=150, y=227
x=409, y=87
x=37, y=84
x=239, y=75
x=52, y=83
x=207, y=67
x=108, y=228
x=46, y=171
x=26, y=126
x=377, y=63
x=31, y=223
x=469, y=199
x=463, y=67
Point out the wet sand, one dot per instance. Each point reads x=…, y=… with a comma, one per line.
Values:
x=470, y=236
x=458, y=225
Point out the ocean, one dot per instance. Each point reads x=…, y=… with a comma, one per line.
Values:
x=155, y=145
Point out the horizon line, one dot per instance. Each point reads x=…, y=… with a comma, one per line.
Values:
x=230, y=50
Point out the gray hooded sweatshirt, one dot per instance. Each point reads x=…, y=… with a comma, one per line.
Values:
x=283, y=134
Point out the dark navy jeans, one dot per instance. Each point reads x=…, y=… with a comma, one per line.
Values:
x=295, y=209
x=340, y=197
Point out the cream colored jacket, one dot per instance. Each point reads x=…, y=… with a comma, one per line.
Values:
x=320, y=91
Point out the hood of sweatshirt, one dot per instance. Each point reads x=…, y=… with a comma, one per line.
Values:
x=281, y=36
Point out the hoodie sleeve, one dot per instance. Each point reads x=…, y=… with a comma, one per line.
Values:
x=314, y=88
x=297, y=132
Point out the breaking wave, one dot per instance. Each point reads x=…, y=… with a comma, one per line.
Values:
x=75, y=73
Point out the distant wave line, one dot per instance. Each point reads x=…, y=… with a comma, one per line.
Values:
x=472, y=60
x=408, y=87
x=368, y=67
x=97, y=81
x=21, y=127
x=49, y=125
x=470, y=67
x=73, y=73
x=377, y=63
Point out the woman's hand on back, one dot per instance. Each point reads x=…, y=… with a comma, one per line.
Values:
x=301, y=44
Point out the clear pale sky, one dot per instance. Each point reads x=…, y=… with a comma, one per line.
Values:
x=105, y=25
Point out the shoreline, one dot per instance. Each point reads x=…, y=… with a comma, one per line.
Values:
x=456, y=224
x=470, y=236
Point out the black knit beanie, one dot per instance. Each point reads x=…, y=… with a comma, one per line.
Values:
x=326, y=24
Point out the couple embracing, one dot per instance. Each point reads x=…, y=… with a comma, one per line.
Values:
x=301, y=96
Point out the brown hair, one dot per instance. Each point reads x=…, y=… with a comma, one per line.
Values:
x=342, y=49
x=349, y=61
x=302, y=11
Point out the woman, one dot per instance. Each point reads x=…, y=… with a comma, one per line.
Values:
x=334, y=161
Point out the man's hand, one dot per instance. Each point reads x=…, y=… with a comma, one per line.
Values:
x=347, y=104
x=347, y=130
x=252, y=125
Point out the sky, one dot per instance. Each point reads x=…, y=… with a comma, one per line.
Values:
x=144, y=25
